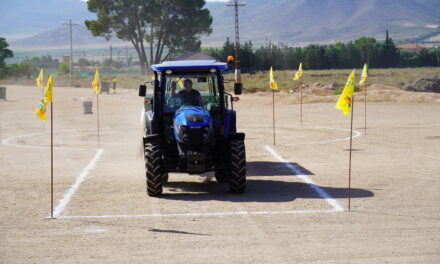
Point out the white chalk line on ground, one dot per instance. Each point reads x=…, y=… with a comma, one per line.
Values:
x=336, y=206
x=81, y=177
x=297, y=171
x=196, y=214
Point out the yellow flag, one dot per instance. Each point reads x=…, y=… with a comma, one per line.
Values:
x=40, y=112
x=299, y=73
x=95, y=83
x=273, y=83
x=364, y=74
x=344, y=102
x=180, y=82
x=40, y=79
x=48, y=93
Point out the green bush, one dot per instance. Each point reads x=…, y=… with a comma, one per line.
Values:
x=63, y=68
x=24, y=68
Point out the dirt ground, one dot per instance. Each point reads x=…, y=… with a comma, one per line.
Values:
x=395, y=215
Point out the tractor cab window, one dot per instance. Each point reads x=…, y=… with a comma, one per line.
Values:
x=191, y=90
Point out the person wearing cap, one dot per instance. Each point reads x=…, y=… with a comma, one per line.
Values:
x=189, y=96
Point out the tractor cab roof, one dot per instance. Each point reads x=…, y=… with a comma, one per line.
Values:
x=190, y=66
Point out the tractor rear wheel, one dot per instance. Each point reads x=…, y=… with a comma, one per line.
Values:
x=154, y=175
x=222, y=176
x=237, y=184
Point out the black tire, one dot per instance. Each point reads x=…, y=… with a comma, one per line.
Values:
x=164, y=178
x=153, y=167
x=237, y=184
x=222, y=176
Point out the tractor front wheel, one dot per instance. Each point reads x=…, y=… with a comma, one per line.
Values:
x=222, y=176
x=237, y=183
x=154, y=176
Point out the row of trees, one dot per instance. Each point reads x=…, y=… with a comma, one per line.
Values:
x=338, y=56
x=171, y=26
x=4, y=54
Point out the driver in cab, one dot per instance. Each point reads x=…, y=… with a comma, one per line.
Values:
x=189, y=96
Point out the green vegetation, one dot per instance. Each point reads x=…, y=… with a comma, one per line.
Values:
x=22, y=69
x=337, y=56
x=63, y=68
x=259, y=82
x=4, y=54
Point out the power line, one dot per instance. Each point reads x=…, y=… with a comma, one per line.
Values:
x=235, y=4
x=70, y=24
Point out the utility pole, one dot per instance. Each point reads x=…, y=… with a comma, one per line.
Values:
x=235, y=4
x=70, y=24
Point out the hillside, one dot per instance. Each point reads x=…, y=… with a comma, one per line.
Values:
x=326, y=20
x=59, y=38
x=286, y=21
x=30, y=17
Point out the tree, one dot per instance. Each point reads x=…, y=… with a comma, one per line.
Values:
x=125, y=18
x=178, y=25
x=63, y=68
x=389, y=55
x=24, y=68
x=366, y=47
x=4, y=54
x=174, y=24
x=45, y=62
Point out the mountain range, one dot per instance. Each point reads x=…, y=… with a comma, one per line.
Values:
x=286, y=21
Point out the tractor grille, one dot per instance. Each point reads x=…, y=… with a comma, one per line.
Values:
x=195, y=136
x=196, y=162
x=195, y=118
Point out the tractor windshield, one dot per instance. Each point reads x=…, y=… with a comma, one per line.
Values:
x=191, y=90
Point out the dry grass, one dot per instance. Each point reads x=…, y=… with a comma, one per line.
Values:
x=259, y=82
x=125, y=81
x=397, y=77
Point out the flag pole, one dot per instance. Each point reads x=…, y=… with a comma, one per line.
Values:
x=365, y=85
x=350, y=150
x=0, y=123
x=273, y=115
x=42, y=96
x=51, y=159
x=301, y=100
x=97, y=106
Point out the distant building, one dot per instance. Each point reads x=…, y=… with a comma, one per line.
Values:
x=66, y=59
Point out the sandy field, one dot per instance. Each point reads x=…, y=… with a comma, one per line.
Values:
x=294, y=209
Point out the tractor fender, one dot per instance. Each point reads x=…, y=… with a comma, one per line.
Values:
x=236, y=136
x=148, y=123
x=152, y=138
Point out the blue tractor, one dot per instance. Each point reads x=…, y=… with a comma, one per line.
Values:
x=190, y=125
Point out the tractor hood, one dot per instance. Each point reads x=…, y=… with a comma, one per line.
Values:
x=192, y=116
x=193, y=125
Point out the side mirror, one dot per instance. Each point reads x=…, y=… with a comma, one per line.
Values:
x=238, y=87
x=142, y=90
